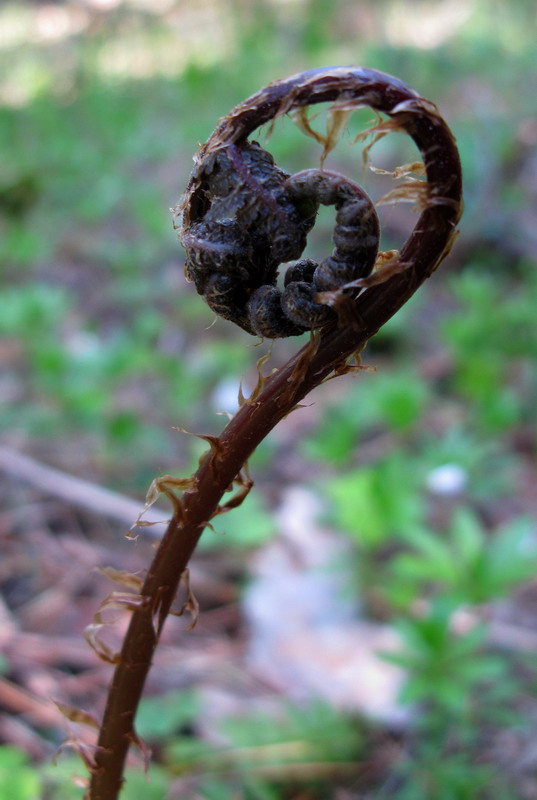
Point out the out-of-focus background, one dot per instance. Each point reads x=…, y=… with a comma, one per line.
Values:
x=369, y=615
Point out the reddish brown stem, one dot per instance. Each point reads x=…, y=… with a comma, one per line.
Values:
x=427, y=245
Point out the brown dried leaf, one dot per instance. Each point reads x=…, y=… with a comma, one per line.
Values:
x=124, y=601
x=145, y=750
x=412, y=191
x=128, y=579
x=344, y=369
x=167, y=485
x=244, y=483
x=388, y=263
x=343, y=304
x=143, y=523
x=164, y=484
x=414, y=168
x=301, y=118
x=100, y=648
x=378, y=131
x=301, y=366
x=214, y=442
x=241, y=398
x=385, y=257
x=150, y=499
x=261, y=379
x=337, y=119
x=77, y=715
x=215, y=453
x=83, y=750
x=191, y=604
x=417, y=105
x=348, y=367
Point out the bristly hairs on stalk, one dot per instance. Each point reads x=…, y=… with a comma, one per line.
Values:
x=240, y=218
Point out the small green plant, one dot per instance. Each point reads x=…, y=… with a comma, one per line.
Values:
x=377, y=503
x=434, y=586
x=18, y=780
x=471, y=564
x=263, y=752
x=451, y=685
x=490, y=349
x=394, y=402
x=445, y=668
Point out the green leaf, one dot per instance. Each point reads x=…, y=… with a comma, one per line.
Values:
x=467, y=536
x=17, y=780
x=376, y=502
x=357, y=509
x=161, y=717
x=248, y=525
x=400, y=398
x=432, y=559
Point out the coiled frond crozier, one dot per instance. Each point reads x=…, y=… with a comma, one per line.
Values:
x=245, y=216
x=241, y=218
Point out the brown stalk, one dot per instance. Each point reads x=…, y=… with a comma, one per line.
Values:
x=430, y=241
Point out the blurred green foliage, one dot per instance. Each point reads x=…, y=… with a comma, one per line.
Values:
x=102, y=343
x=17, y=778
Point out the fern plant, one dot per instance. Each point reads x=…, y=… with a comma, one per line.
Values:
x=240, y=217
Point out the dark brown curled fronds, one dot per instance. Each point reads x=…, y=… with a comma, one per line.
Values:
x=242, y=216
x=247, y=217
x=356, y=234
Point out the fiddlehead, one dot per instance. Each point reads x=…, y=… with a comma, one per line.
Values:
x=381, y=294
x=242, y=216
x=246, y=216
